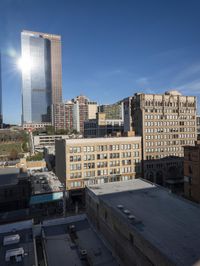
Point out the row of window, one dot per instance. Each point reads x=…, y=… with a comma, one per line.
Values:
x=160, y=156
x=169, y=117
x=169, y=130
x=168, y=143
x=170, y=136
x=104, y=148
x=169, y=104
x=78, y=166
x=164, y=149
x=169, y=123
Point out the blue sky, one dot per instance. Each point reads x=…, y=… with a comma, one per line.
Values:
x=110, y=48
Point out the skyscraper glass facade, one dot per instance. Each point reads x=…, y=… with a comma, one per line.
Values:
x=37, y=88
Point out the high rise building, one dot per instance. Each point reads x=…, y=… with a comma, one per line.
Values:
x=166, y=122
x=62, y=116
x=41, y=75
x=1, y=113
x=72, y=114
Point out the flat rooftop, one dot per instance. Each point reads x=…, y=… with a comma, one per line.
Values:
x=45, y=182
x=106, y=140
x=26, y=242
x=63, y=249
x=168, y=222
x=8, y=176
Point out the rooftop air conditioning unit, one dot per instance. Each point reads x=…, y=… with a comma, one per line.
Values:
x=12, y=239
x=120, y=206
x=131, y=217
x=14, y=254
x=127, y=212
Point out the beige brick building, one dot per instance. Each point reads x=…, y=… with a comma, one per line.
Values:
x=166, y=122
x=81, y=162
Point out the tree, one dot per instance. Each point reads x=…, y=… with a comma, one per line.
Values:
x=13, y=154
x=37, y=157
x=50, y=130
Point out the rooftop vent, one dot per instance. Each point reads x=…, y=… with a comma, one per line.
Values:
x=120, y=206
x=127, y=212
x=14, y=254
x=131, y=217
x=12, y=239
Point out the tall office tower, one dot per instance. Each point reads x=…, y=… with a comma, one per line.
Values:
x=166, y=122
x=41, y=75
x=1, y=113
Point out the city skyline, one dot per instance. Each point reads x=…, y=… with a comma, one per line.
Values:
x=110, y=49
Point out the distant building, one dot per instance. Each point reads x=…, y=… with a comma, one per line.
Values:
x=81, y=162
x=41, y=141
x=62, y=116
x=31, y=126
x=192, y=172
x=72, y=114
x=41, y=75
x=144, y=224
x=112, y=111
x=1, y=111
x=166, y=122
x=102, y=127
x=128, y=119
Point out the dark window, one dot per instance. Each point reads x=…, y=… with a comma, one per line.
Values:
x=131, y=239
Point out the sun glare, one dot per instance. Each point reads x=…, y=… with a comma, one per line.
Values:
x=25, y=63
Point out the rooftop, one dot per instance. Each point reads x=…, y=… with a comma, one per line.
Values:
x=63, y=248
x=101, y=140
x=25, y=242
x=55, y=240
x=168, y=222
x=45, y=182
x=8, y=176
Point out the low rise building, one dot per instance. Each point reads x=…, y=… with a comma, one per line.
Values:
x=192, y=172
x=81, y=162
x=30, y=126
x=42, y=141
x=62, y=241
x=144, y=224
x=15, y=189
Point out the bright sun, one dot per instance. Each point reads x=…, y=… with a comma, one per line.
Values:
x=25, y=63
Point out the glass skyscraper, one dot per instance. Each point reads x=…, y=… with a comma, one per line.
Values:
x=41, y=75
